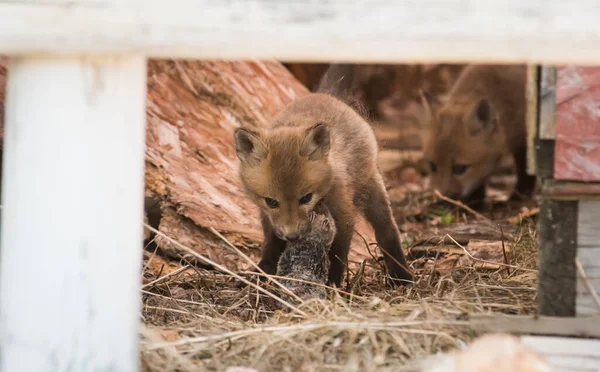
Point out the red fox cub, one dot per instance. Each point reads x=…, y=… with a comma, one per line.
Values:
x=466, y=136
x=318, y=152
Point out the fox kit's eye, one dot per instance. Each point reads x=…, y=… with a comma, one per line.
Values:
x=272, y=203
x=305, y=199
x=433, y=166
x=458, y=169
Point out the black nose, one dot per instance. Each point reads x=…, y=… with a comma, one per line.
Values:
x=292, y=237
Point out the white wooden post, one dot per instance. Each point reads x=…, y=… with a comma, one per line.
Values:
x=72, y=212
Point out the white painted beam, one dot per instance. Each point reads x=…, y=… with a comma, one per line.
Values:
x=72, y=211
x=510, y=31
x=566, y=354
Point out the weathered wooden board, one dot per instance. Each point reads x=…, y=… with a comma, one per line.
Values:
x=540, y=325
x=577, y=124
x=586, y=306
x=513, y=31
x=567, y=354
x=588, y=254
x=72, y=209
x=547, y=102
x=531, y=98
x=503, y=352
x=571, y=190
x=557, y=275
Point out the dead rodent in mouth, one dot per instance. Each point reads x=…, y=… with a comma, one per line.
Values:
x=307, y=259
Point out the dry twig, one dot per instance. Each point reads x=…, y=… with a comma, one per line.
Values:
x=181, y=269
x=461, y=205
x=486, y=261
x=224, y=269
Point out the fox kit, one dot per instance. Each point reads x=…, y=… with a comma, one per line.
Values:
x=317, y=150
x=482, y=120
x=308, y=258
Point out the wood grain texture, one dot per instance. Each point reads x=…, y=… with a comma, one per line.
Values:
x=544, y=158
x=72, y=211
x=557, y=279
x=547, y=102
x=571, y=190
x=567, y=354
x=588, y=231
x=510, y=31
x=588, y=253
x=531, y=119
x=542, y=325
x=577, y=124
x=586, y=306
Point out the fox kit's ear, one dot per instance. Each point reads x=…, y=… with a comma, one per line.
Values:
x=316, y=143
x=249, y=147
x=481, y=119
x=429, y=104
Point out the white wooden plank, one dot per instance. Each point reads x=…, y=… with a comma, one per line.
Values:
x=567, y=354
x=593, y=276
x=515, y=31
x=582, y=347
x=72, y=210
x=573, y=364
x=588, y=225
x=586, y=306
x=590, y=261
x=588, y=254
x=589, y=257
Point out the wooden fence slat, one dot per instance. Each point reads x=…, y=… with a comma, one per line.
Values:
x=576, y=123
x=508, y=31
x=543, y=325
x=72, y=211
x=547, y=102
x=588, y=233
x=531, y=119
x=557, y=277
x=567, y=354
x=588, y=254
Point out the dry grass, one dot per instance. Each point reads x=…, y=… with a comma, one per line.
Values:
x=198, y=320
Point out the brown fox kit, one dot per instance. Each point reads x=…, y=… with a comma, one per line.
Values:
x=482, y=120
x=308, y=258
x=317, y=150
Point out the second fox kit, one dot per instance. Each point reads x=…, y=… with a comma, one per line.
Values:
x=318, y=150
x=307, y=259
x=482, y=120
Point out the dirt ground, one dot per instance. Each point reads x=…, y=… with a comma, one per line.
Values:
x=466, y=262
